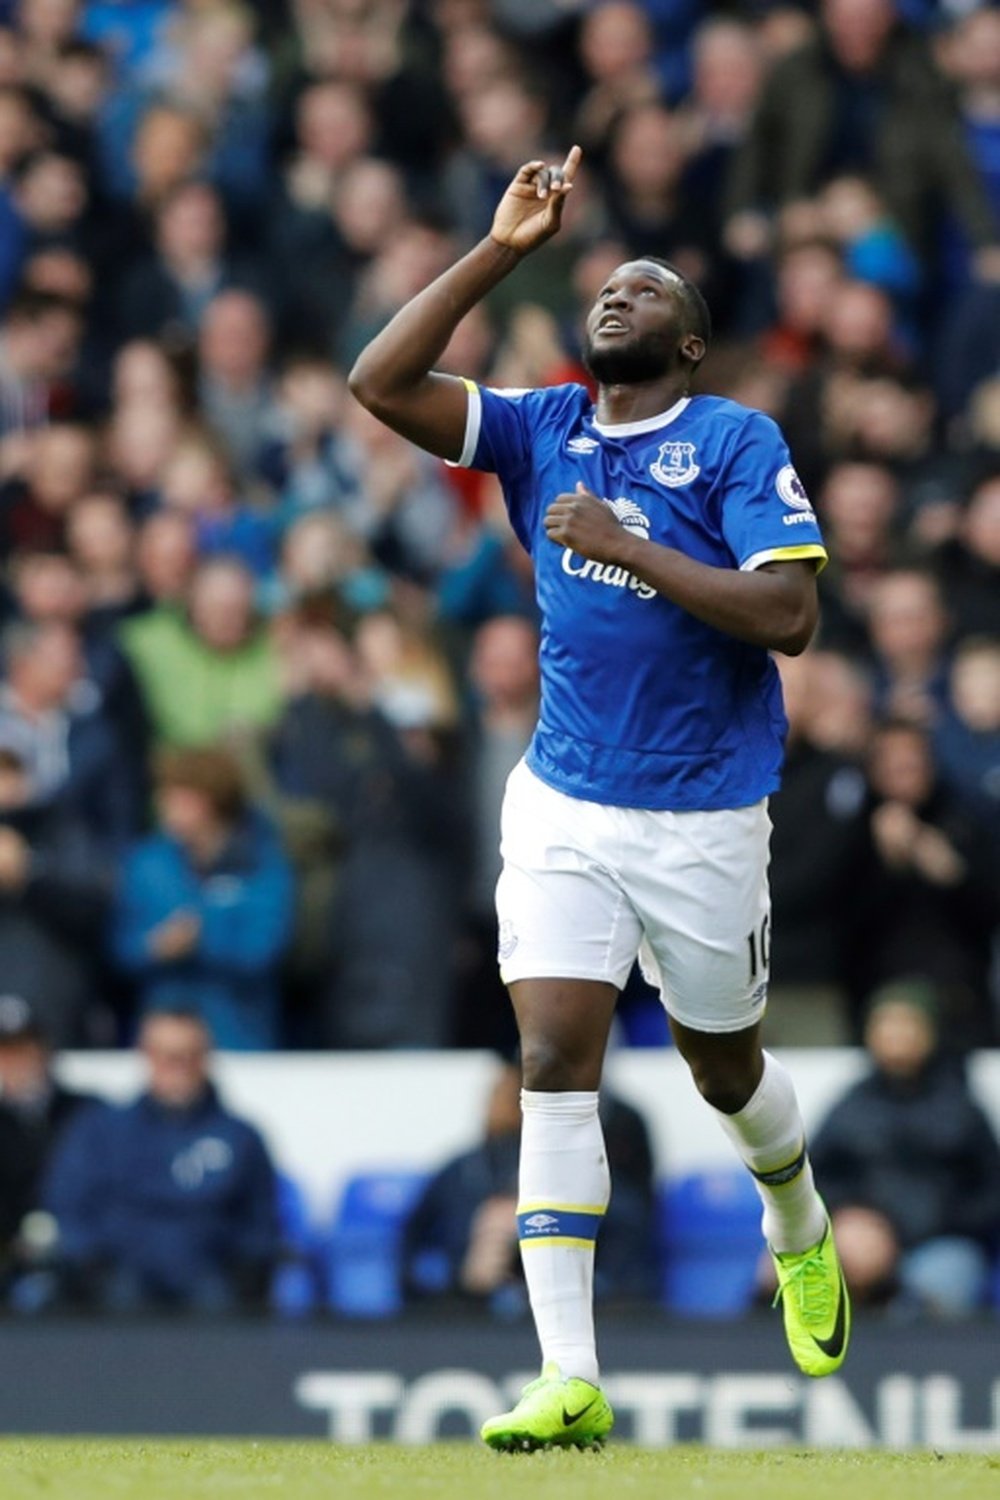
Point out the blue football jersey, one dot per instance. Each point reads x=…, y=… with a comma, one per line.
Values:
x=642, y=704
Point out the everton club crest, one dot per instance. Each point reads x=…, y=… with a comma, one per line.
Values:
x=674, y=465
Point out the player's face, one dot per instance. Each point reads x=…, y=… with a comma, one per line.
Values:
x=635, y=328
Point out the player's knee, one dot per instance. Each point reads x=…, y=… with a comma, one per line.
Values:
x=546, y=1067
x=725, y=1087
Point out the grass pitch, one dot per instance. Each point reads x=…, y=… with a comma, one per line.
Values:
x=56, y=1469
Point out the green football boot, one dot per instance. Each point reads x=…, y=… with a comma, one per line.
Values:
x=816, y=1307
x=552, y=1413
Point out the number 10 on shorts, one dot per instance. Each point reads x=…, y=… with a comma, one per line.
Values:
x=759, y=945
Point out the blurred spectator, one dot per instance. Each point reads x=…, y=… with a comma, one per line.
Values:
x=864, y=96
x=503, y=125
x=487, y=572
x=198, y=480
x=910, y=1168
x=617, y=51
x=809, y=275
x=234, y=388
x=970, y=53
x=727, y=59
x=168, y=293
x=55, y=886
x=34, y=1111
x=39, y=343
x=299, y=448
x=816, y=884
x=856, y=219
x=503, y=674
x=461, y=1239
x=859, y=505
x=908, y=628
x=101, y=542
x=57, y=721
x=203, y=910
x=216, y=648
x=968, y=566
x=967, y=740
x=367, y=737
x=166, y=557
x=648, y=207
x=58, y=468
x=167, y=150
x=168, y=1202
x=394, y=497
x=840, y=704
x=49, y=588
x=931, y=901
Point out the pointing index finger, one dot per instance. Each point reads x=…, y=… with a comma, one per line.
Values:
x=573, y=158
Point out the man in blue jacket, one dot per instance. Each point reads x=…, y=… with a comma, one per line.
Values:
x=168, y=1201
x=203, y=914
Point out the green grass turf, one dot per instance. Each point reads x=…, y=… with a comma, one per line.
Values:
x=56, y=1469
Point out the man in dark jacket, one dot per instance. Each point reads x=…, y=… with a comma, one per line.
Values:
x=461, y=1239
x=34, y=1110
x=909, y=1166
x=169, y=1201
x=863, y=97
x=55, y=887
x=815, y=880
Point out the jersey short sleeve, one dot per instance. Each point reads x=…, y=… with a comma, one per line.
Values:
x=508, y=433
x=766, y=514
x=500, y=426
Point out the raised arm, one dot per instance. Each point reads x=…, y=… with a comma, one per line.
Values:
x=393, y=377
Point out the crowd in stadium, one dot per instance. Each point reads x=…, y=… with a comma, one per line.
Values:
x=266, y=666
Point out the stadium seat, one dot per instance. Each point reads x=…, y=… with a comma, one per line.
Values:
x=295, y=1284
x=711, y=1242
x=362, y=1254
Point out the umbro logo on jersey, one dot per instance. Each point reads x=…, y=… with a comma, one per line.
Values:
x=540, y=1221
x=582, y=445
x=674, y=465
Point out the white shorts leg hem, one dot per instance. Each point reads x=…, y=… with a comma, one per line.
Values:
x=514, y=973
x=715, y=1028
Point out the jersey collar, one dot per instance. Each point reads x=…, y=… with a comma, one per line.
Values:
x=648, y=424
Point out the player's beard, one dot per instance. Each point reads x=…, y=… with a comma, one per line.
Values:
x=631, y=361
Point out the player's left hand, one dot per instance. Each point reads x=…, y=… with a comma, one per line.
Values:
x=586, y=525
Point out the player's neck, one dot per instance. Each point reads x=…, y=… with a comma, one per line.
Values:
x=634, y=403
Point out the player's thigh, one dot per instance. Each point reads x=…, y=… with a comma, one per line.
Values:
x=562, y=911
x=703, y=900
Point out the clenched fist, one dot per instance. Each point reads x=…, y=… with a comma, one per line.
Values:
x=586, y=525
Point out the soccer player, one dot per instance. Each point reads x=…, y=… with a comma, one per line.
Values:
x=674, y=547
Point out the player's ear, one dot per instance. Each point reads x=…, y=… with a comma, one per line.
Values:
x=693, y=348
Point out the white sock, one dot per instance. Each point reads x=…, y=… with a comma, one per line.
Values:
x=565, y=1188
x=769, y=1135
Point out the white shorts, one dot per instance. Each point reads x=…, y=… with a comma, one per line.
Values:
x=586, y=888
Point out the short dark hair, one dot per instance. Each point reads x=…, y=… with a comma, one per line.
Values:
x=699, y=319
x=31, y=305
